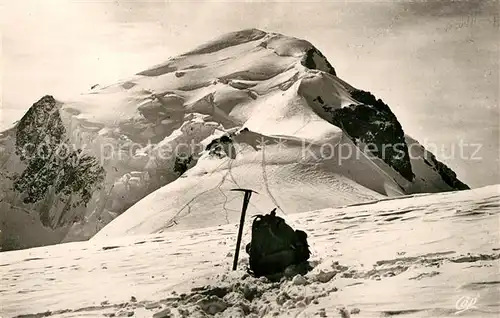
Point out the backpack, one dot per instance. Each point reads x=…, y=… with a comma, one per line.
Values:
x=275, y=245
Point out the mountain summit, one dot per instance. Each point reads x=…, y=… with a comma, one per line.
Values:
x=162, y=148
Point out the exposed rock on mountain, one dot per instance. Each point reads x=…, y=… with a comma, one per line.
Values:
x=374, y=124
x=448, y=175
x=55, y=179
x=314, y=58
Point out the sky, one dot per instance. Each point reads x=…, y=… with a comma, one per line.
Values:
x=434, y=62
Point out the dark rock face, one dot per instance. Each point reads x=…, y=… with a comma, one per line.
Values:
x=53, y=166
x=448, y=175
x=375, y=125
x=181, y=163
x=308, y=60
x=40, y=124
x=222, y=147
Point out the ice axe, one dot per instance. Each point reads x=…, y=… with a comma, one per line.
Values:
x=246, y=200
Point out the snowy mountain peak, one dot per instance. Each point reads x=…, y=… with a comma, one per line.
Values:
x=163, y=148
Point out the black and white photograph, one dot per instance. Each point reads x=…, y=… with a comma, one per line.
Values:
x=177, y=159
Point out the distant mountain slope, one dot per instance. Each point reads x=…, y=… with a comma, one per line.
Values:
x=293, y=129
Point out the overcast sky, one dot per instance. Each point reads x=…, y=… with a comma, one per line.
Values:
x=435, y=63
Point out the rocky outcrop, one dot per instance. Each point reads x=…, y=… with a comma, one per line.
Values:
x=182, y=163
x=222, y=147
x=313, y=57
x=53, y=170
x=448, y=175
x=375, y=125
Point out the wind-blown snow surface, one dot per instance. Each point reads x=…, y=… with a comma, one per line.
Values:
x=250, y=109
x=419, y=256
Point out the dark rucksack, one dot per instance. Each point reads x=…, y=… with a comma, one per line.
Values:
x=275, y=245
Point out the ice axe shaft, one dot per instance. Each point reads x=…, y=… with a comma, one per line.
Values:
x=246, y=200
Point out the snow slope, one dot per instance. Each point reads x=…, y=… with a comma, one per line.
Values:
x=432, y=255
x=253, y=109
